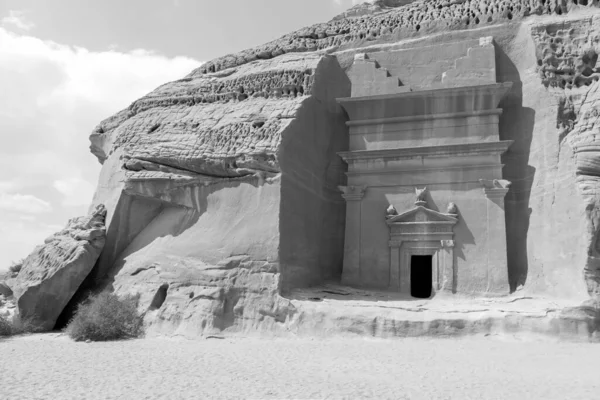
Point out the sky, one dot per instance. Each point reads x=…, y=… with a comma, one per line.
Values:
x=67, y=64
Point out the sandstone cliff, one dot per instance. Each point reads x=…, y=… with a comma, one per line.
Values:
x=54, y=271
x=221, y=187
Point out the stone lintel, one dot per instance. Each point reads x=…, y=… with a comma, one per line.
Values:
x=353, y=193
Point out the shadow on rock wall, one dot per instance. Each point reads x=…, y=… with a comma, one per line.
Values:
x=516, y=123
x=133, y=232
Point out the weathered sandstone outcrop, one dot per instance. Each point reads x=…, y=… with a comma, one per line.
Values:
x=221, y=188
x=53, y=272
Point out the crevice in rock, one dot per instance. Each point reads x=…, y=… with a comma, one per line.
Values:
x=159, y=297
x=232, y=165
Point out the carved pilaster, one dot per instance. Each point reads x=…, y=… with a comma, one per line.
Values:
x=446, y=274
x=497, y=270
x=495, y=188
x=352, y=244
x=353, y=193
x=395, y=265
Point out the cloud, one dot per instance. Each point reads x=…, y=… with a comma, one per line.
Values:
x=23, y=203
x=16, y=18
x=76, y=191
x=53, y=95
x=348, y=3
x=21, y=236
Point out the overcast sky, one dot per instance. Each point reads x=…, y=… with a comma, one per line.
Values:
x=67, y=64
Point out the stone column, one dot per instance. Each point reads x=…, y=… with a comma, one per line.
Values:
x=353, y=196
x=395, y=278
x=497, y=262
x=446, y=266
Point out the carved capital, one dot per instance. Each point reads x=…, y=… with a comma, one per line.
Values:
x=395, y=243
x=495, y=188
x=447, y=244
x=353, y=193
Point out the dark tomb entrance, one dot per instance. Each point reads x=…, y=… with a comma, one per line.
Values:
x=421, y=276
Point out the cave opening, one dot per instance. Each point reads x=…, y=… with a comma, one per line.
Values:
x=421, y=276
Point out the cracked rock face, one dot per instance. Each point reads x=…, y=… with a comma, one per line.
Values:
x=225, y=186
x=54, y=271
x=221, y=187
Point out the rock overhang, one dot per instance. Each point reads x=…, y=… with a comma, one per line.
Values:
x=175, y=97
x=225, y=125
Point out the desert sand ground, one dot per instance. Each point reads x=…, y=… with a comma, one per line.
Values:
x=51, y=366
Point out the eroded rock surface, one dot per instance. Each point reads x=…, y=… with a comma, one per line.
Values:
x=53, y=272
x=221, y=187
x=416, y=18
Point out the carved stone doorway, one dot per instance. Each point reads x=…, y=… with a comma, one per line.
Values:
x=421, y=276
x=421, y=232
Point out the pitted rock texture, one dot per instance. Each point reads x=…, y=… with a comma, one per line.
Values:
x=221, y=187
x=207, y=170
x=422, y=16
x=585, y=141
x=567, y=64
x=55, y=270
x=567, y=55
x=226, y=125
x=203, y=142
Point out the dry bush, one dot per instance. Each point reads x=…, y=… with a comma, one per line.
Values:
x=17, y=327
x=106, y=317
x=6, y=328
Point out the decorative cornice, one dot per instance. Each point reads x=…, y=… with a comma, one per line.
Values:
x=353, y=193
x=466, y=149
x=413, y=118
x=391, y=171
x=438, y=93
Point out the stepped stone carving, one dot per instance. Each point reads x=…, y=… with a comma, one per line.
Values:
x=476, y=68
x=421, y=138
x=225, y=193
x=368, y=78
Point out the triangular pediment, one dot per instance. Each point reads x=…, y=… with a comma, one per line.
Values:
x=421, y=214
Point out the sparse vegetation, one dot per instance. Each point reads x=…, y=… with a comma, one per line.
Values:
x=106, y=317
x=10, y=327
x=6, y=328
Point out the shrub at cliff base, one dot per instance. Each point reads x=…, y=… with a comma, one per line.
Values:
x=106, y=317
x=5, y=327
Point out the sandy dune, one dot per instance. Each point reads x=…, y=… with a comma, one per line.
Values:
x=53, y=367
